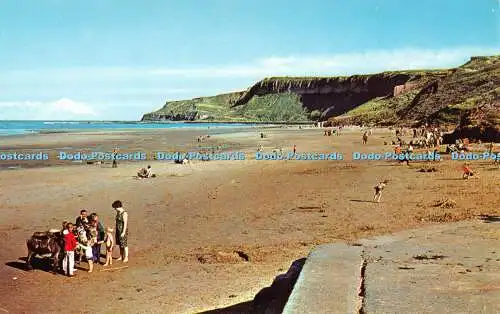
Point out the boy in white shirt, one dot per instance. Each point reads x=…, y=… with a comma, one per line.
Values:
x=378, y=190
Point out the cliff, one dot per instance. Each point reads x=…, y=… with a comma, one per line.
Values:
x=481, y=123
x=319, y=97
x=333, y=96
x=202, y=108
x=440, y=100
x=388, y=98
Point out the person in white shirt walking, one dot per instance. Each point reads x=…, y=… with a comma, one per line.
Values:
x=378, y=190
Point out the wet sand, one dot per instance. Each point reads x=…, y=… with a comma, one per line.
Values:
x=186, y=223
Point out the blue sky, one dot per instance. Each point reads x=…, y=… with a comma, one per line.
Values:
x=109, y=59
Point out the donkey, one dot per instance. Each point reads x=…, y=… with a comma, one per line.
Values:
x=41, y=243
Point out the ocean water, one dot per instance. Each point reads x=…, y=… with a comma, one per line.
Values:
x=11, y=127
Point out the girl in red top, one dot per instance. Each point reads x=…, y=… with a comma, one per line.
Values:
x=467, y=171
x=70, y=244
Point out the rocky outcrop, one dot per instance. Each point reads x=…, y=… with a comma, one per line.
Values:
x=465, y=98
x=201, y=108
x=161, y=116
x=447, y=98
x=482, y=123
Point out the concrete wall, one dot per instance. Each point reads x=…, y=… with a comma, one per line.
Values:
x=399, y=89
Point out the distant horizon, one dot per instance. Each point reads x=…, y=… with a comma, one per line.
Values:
x=47, y=120
x=114, y=61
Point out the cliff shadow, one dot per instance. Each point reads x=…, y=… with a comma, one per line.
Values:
x=270, y=300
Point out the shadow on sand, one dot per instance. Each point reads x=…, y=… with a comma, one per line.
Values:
x=489, y=218
x=37, y=263
x=42, y=263
x=492, y=169
x=270, y=300
x=361, y=201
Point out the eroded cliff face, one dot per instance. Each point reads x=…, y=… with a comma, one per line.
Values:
x=332, y=95
x=481, y=123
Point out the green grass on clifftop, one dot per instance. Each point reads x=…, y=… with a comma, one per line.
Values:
x=212, y=107
x=279, y=107
x=381, y=110
x=274, y=107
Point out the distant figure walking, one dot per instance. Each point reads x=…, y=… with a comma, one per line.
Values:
x=294, y=148
x=365, y=137
x=378, y=190
x=115, y=164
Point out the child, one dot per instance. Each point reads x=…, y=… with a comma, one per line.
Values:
x=109, y=239
x=85, y=244
x=93, y=240
x=467, y=171
x=378, y=191
x=149, y=172
x=70, y=244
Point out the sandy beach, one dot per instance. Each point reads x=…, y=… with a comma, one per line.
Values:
x=186, y=223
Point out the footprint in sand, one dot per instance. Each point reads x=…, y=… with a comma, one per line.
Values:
x=213, y=195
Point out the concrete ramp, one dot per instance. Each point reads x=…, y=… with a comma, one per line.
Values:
x=329, y=281
x=450, y=268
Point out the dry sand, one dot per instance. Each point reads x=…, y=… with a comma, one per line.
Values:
x=186, y=224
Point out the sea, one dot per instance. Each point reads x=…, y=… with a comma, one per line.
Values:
x=24, y=127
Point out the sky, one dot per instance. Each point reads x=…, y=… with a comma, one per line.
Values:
x=116, y=60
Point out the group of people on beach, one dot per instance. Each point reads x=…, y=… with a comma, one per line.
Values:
x=87, y=235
